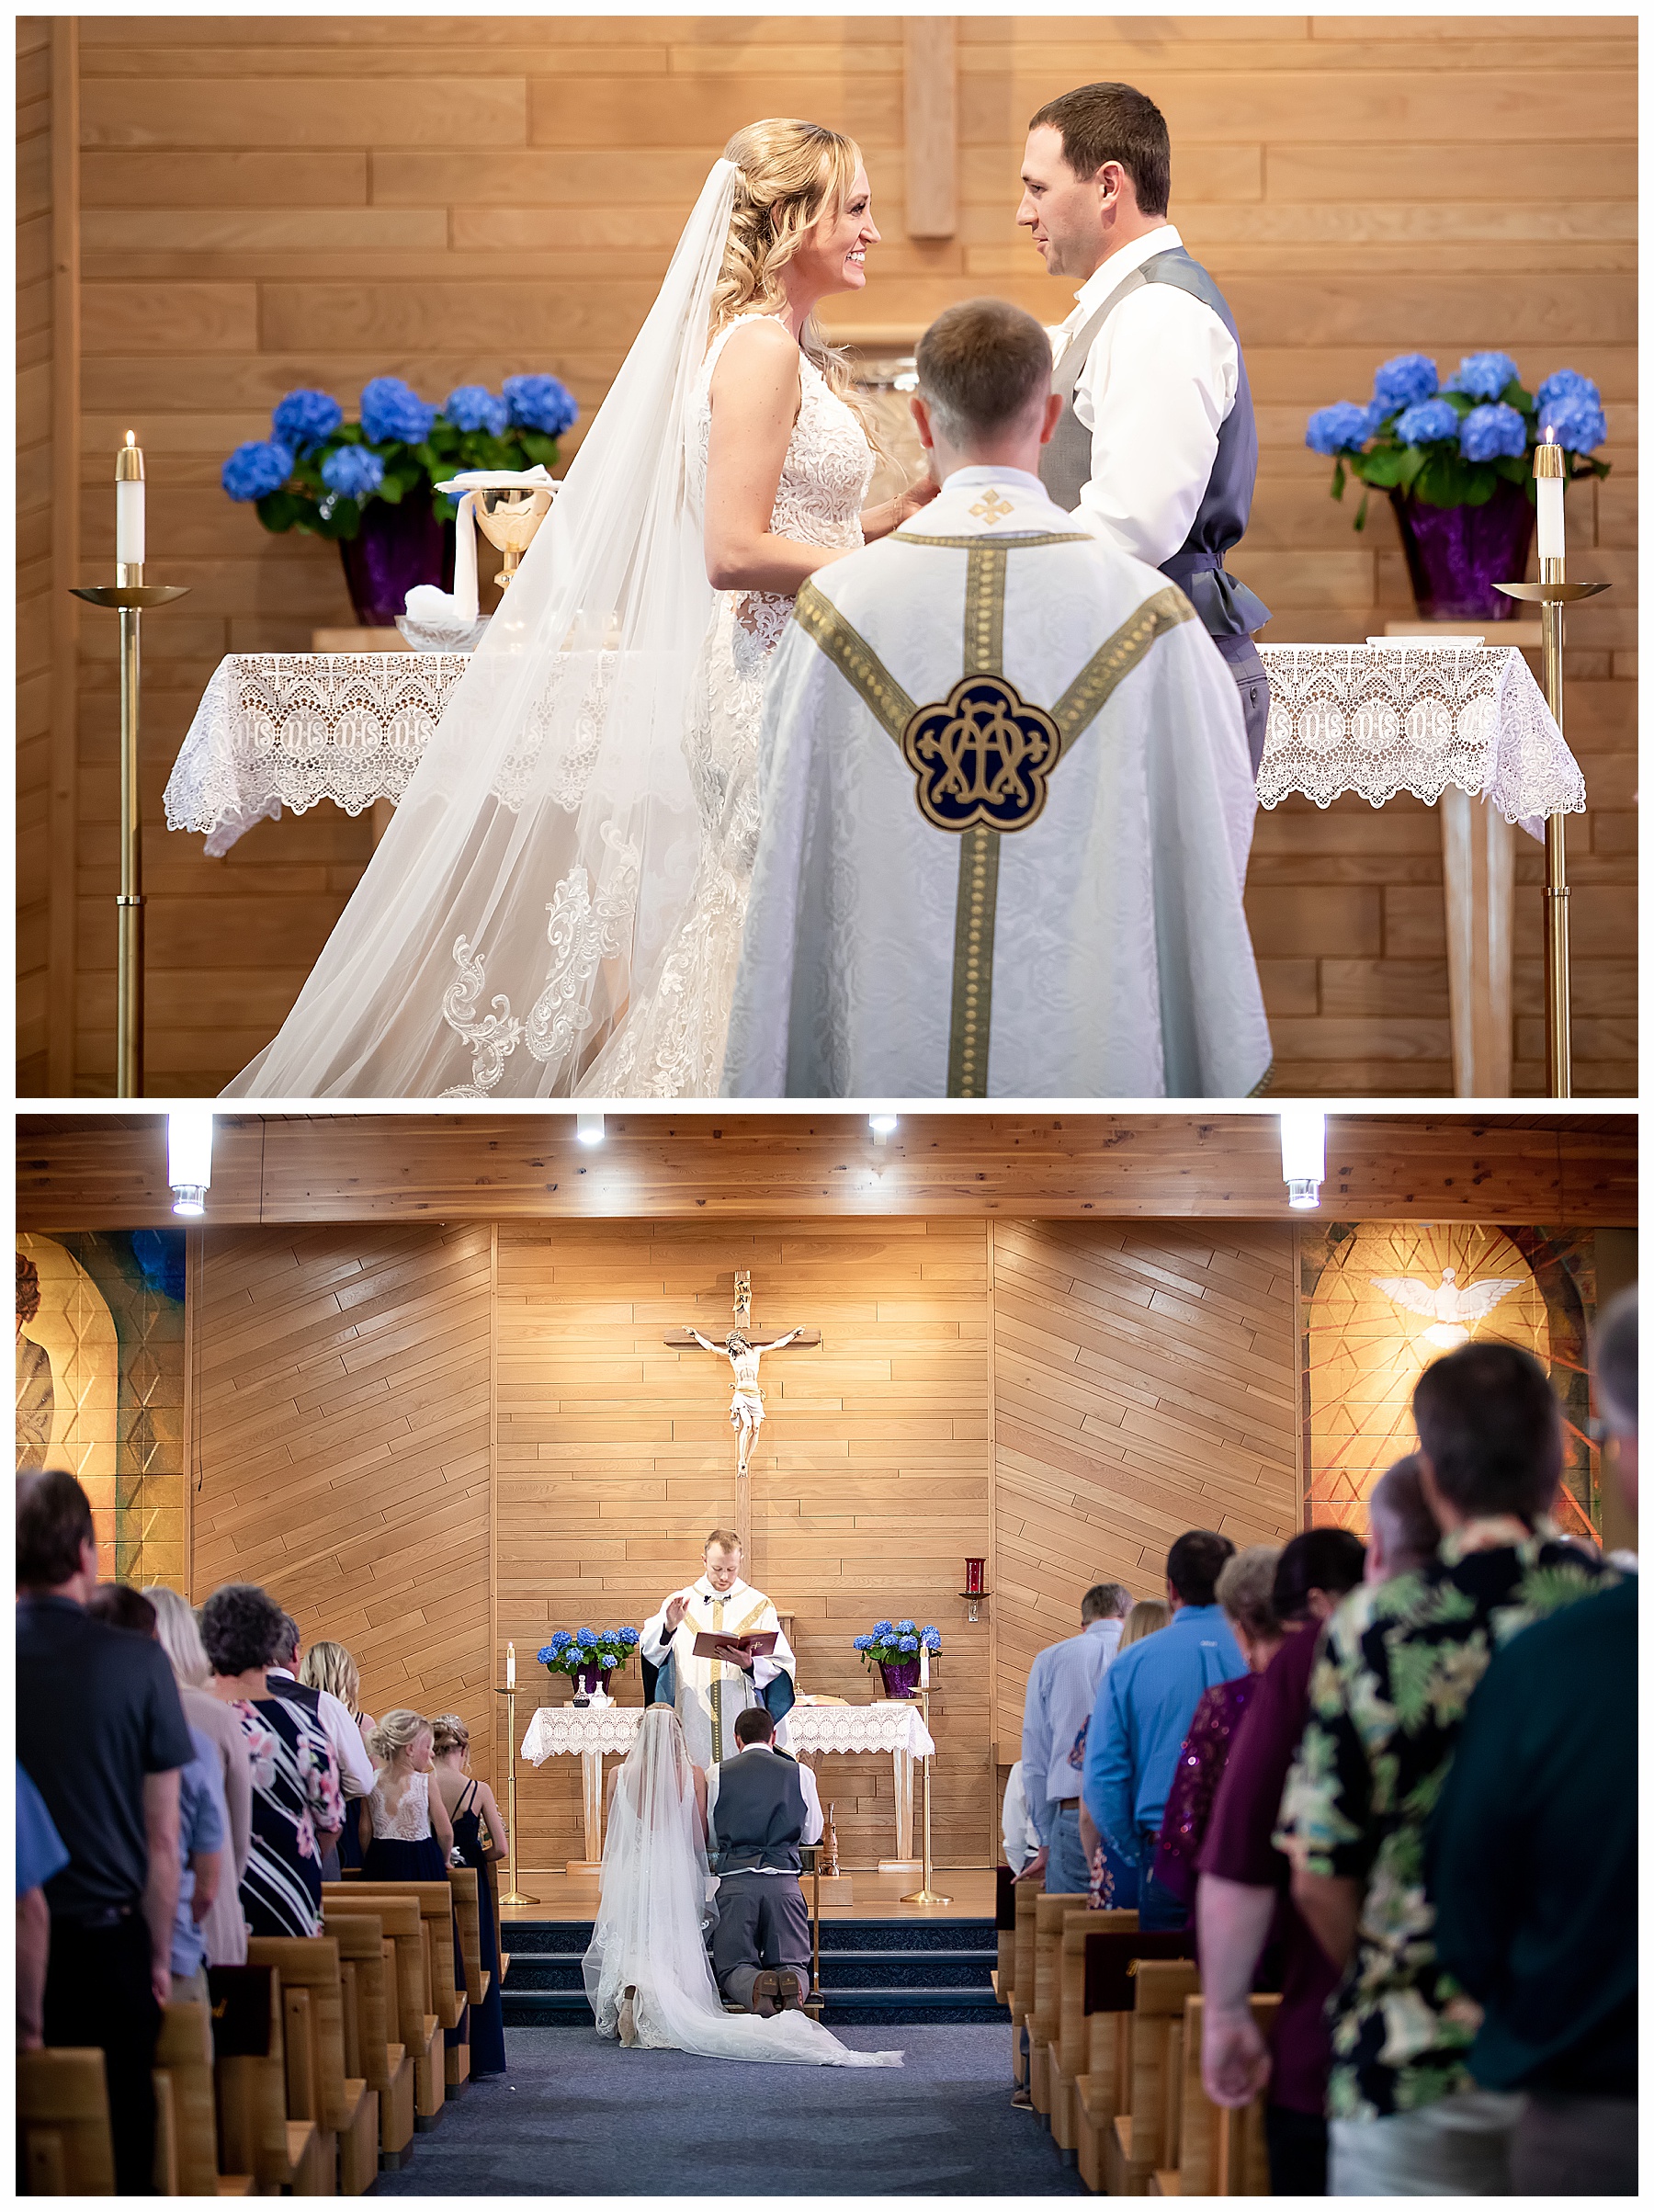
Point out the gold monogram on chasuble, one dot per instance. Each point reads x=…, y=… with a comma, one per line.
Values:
x=981, y=756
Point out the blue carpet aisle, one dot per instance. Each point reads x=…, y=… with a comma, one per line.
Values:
x=579, y=2117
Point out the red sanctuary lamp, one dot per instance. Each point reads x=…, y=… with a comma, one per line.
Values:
x=975, y=1589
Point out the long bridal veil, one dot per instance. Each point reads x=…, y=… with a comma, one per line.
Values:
x=540, y=864
x=650, y=1935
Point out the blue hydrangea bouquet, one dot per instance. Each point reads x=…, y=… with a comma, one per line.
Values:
x=1451, y=445
x=893, y=1647
x=317, y=472
x=589, y=1653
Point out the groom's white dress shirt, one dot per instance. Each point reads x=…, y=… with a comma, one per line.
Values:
x=1160, y=376
x=813, y=1813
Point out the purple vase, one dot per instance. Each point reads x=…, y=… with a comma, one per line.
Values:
x=1457, y=555
x=396, y=548
x=901, y=1676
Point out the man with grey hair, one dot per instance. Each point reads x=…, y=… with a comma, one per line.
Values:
x=1401, y=1529
x=1062, y=1689
x=1534, y=1859
x=333, y=1717
x=1006, y=803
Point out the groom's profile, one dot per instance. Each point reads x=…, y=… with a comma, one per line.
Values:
x=759, y=1813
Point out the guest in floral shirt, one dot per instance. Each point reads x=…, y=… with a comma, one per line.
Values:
x=1386, y=1699
x=298, y=1808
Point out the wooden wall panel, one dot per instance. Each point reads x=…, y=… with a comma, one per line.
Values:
x=870, y=1482
x=342, y=1425
x=1144, y=1382
x=272, y=200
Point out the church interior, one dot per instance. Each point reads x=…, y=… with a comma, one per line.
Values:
x=215, y=210
x=425, y=1379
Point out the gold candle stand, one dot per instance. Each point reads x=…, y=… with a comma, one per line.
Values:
x=514, y=1896
x=128, y=595
x=924, y=1894
x=1553, y=593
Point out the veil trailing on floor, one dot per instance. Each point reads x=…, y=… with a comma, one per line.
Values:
x=540, y=861
x=650, y=1935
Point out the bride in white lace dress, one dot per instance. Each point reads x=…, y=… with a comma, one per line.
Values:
x=597, y=764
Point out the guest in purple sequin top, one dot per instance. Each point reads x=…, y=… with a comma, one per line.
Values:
x=1243, y=1592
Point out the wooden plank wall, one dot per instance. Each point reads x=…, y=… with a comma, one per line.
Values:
x=1062, y=1398
x=272, y=200
x=1144, y=1382
x=342, y=1448
x=34, y=585
x=869, y=1482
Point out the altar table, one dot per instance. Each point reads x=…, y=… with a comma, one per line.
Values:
x=586, y=1731
x=1463, y=727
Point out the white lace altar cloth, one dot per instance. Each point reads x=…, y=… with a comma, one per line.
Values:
x=279, y=730
x=1379, y=719
x=892, y=1725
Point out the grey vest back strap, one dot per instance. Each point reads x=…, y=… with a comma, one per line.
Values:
x=758, y=1818
x=1223, y=603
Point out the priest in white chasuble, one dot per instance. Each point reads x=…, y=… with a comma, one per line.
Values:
x=710, y=1693
x=1007, y=803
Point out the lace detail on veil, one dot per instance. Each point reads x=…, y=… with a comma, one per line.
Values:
x=582, y=931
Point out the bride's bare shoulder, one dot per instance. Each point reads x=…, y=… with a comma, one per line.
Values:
x=757, y=353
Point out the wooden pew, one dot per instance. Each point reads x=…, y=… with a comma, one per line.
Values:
x=184, y=2062
x=368, y=1957
x=1050, y=1910
x=1215, y=2153
x=318, y=2086
x=64, y=2144
x=1070, y=2053
x=468, y=1916
x=250, y=2078
x=1136, y=2146
x=398, y=1911
x=1004, y=1921
x=1027, y=1896
x=437, y=1913
x=1108, y=1993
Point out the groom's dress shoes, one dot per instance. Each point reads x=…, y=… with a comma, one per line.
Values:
x=790, y=1989
x=766, y=1994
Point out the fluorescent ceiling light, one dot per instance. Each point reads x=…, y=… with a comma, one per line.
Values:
x=190, y=1158
x=1303, y=1155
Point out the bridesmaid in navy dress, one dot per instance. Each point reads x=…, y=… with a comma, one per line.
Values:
x=407, y=1834
x=470, y=1805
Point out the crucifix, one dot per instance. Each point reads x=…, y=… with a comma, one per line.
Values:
x=743, y=1348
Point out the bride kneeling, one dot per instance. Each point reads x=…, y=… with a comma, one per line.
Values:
x=646, y=1970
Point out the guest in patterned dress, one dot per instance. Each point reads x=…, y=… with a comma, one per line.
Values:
x=297, y=1804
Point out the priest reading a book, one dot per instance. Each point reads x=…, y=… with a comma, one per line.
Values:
x=714, y=1649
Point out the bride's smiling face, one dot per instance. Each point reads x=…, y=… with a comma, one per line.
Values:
x=833, y=256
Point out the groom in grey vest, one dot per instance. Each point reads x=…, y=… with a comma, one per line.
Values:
x=1156, y=444
x=759, y=1814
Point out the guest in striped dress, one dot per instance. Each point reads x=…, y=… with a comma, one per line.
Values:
x=297, y=1805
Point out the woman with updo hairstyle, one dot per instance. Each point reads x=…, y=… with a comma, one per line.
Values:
x=406, y=1834
x=298, y=1807
x=470, y=1805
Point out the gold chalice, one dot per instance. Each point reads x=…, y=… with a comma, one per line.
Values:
x=508, y=519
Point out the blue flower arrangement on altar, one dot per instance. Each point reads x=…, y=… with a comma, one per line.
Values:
x=1451, y=444
x=587, y=1650
x=891, y=1642
x=316, y=472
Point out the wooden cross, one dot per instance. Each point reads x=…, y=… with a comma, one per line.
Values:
x=743, y=1347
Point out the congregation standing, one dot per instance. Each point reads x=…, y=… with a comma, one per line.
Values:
x=1388, y=1782
x=180, y=1787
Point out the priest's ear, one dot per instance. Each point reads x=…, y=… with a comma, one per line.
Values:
x=920, y=410
x=1053, y=416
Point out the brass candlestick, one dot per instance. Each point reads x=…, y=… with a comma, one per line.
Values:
x=1553, y=593
x=513, y=1895
x=924, y=1894
x=128, y=597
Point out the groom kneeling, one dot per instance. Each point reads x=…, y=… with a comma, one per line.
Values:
x=760, y=1808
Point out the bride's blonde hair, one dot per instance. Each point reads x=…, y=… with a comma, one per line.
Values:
x=791, y=174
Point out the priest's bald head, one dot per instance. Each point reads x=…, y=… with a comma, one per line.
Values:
x=984, y=396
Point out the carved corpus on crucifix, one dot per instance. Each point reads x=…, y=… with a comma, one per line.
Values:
x=743, y=1347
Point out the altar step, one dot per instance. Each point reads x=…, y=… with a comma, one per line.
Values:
x=873, y=1973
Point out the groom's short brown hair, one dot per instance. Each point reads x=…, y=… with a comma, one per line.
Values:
x=1115, y=123
x=981, y=364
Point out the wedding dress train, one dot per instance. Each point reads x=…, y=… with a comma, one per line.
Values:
x=646, y=1967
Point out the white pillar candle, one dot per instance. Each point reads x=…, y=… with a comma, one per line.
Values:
x=128, y=503
x=511, y=1666
x=924, y=1666
x=1548, y=484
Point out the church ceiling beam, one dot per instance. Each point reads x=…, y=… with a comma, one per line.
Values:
x=110, y=1171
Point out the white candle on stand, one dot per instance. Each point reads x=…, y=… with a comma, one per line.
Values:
x=128, y=503
x=511, y=1666
x=924, y=1666
x=1548, y=484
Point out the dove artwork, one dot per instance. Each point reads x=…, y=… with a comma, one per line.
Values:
x=1449, y=1307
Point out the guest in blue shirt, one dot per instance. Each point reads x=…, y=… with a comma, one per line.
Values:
x=203, y=1837
x=1062, y=1689
x=1145, y=1703
x=41, y=1854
